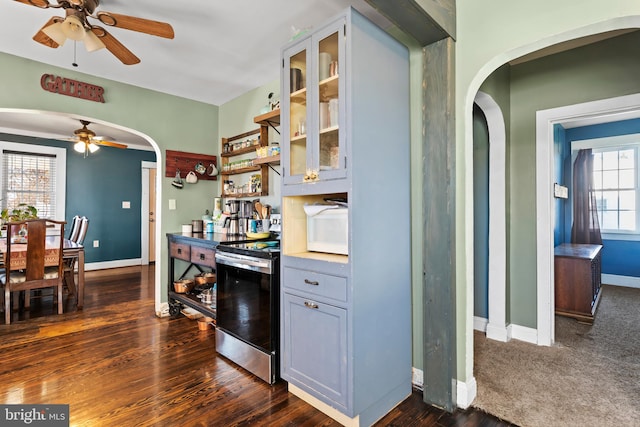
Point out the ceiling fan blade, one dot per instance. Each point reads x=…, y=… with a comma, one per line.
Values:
x=115, y=47
x=43, y=4
x=147, y=26
x=108, y=143
x=44, y=39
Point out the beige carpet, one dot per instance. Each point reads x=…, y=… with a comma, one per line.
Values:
x=589, y=377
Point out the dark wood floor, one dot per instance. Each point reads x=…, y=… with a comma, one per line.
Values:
x=116, y=364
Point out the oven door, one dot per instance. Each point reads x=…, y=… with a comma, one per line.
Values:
x=247, y=299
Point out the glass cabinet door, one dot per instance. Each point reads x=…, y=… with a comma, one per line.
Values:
x=298, y=155
x=329, y=154
x=315, y=107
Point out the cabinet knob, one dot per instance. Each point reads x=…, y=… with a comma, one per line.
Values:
x=311, y=282
x=179, y=251
x=202, y=257
x=311, y=304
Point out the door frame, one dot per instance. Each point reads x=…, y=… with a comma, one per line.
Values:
x=601, y=111
x=144, y=212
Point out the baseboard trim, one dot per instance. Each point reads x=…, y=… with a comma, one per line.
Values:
x=480, y=324
x=523, y=333
x=323, y=407
x=466, y=392
x=496, y=333
x=616, y=280
x=112, y=264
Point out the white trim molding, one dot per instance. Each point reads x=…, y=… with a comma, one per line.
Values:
x=466, y=392
x=611, y=109
x=626, y=281
x=496, y=328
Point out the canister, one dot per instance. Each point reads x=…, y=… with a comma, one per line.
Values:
x=196, y=226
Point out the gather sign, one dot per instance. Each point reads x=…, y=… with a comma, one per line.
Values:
x=69, y=87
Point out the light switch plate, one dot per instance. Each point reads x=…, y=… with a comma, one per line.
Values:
x=172, y=204
x=560, y=191
x=126, y=205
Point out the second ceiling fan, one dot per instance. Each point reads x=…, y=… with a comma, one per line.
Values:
x=87, y=142
x=76, y=26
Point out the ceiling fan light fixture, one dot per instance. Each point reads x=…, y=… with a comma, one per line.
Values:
x=93, y=147
x=92, y=42
x=73, y=28
x=56, y=33
x=79, y=146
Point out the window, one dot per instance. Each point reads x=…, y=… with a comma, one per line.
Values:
x=35, y=175
x=616, y=184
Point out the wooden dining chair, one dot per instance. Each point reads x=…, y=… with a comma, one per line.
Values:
x=70, y=263
x=30, y=263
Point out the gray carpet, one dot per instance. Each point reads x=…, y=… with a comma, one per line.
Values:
x=589, y=377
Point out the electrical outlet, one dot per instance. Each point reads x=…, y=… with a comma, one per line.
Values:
x=126, y=205
x=96, y=243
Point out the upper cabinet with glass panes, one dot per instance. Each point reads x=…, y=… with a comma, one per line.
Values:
x=313, y=107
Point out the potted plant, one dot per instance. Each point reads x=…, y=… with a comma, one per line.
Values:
x=19, y=213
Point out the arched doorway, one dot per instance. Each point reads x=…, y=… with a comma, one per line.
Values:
x=33, y=123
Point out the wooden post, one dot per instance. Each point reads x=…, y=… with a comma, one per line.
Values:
x=439, y=309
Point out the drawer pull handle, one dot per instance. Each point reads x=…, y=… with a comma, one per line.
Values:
x=311, y=282
x=202, y=257
x=179, y=251
x=311, y=304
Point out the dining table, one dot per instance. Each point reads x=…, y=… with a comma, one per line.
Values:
x=70, y=250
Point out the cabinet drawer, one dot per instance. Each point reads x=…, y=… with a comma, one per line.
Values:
x=180, y=251
x=326, y=285
x=203, y=256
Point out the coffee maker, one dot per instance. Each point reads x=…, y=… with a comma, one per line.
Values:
x=233, y=227
x=245, y=213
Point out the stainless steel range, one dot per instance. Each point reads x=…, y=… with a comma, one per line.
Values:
x=247, y=321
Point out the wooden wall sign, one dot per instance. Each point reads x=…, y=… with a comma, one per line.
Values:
x=69, y=87
x=187, y=162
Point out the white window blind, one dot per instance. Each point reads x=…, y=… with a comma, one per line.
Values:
x=29, y=178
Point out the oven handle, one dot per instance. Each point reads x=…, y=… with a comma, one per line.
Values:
x=243, y=262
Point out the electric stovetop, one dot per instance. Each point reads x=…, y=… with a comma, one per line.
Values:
x=260, y=248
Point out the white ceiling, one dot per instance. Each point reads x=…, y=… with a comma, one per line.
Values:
x=221, y=50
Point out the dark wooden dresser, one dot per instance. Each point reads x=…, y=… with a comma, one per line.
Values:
x=577, y=280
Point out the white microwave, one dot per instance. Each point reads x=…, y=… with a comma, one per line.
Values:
x=327, y=229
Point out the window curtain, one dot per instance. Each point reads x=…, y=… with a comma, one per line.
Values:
x=586, y=227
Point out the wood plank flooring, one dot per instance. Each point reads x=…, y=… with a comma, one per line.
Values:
x=116, y=364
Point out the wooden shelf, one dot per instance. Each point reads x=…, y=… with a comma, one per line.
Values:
x=245, y=150
x=271, y=118
x=242, y=170
x=274, y=160
x=240, y=195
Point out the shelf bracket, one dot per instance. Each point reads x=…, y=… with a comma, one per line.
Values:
x=272, y=168
x=274, y=128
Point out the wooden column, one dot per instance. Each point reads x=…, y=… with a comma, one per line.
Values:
x=439, y=224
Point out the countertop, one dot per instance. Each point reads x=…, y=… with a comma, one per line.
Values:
x=209, y=238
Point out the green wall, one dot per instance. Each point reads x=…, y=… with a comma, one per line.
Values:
x=236, y=117
x=171, y=122
x=603, y=70
x=490, y=34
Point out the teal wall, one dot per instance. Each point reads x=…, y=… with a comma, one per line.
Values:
x=480, y=214
x=95, y=188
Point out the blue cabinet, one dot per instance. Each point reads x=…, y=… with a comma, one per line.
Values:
x=316, y=357
x=346, y=318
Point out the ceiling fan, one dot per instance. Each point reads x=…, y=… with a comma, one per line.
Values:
x=76, y=26
x=87, y=142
